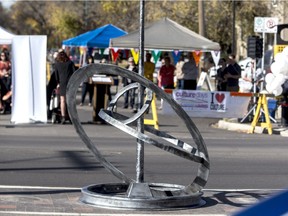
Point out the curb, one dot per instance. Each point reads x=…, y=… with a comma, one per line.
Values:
x=245, y=128
x=284, y=133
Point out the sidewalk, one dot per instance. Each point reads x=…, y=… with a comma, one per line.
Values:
x=65, y=201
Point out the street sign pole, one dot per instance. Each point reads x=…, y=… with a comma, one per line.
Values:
x=262, y=60
x=265, y=25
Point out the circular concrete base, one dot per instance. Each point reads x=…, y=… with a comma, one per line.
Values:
x=121, y=196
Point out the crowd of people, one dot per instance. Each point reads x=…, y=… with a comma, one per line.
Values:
x=185, y=72
x=183, y=75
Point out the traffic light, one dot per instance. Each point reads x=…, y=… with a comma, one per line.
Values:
x=251, y=47
x=259, y=47
x=255, y=47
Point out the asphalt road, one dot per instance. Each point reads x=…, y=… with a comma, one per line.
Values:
x=54, y=155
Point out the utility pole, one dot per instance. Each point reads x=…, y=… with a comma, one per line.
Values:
x=234, y=27
x=85, y=15
x=201, y=18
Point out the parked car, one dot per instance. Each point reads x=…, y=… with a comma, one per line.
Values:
x=268, y=59
x=213, y=71
x=245, y=63
x=259, y=74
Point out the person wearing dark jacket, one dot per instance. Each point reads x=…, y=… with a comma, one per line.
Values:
x=233, y=74
x=64, y=68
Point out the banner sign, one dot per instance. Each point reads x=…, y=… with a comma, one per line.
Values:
x=202, y=100
x=210, y=104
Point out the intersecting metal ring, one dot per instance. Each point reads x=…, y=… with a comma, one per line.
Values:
x=197, y=154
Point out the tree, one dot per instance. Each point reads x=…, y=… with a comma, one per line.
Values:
x=124, y=14
x=4, y=18
x=64, y=22
x=60, y=20
x=29, y=17
x=219, y=20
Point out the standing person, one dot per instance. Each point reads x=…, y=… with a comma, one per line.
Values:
x=121, y=62
x=5, y=79
x=190, y=73
x=149, y=67
x=233, y=74
x=220, y=76
x=104, y=61
x=246, y=80
x=166, y=74
x=132, y=93
x=52, y=84
x=87, y=86
x=179, y=73
x=64, y=68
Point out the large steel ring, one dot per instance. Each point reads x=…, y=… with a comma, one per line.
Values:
x=197, y=154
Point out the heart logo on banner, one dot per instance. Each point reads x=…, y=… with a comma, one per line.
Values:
x=220, y=97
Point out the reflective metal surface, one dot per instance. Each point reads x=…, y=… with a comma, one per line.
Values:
x=132, y=194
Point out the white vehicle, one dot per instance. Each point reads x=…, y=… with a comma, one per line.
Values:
x=213, y=71
x=268, y=58
x=245, y=63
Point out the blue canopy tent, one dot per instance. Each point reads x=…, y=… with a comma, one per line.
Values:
x=97, y=38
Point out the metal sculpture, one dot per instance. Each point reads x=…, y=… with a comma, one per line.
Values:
x=136, y=194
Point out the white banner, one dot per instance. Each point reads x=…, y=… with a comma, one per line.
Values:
x=29, y=79
x=212, y=104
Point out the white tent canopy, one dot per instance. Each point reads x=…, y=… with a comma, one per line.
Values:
x=28, y=76
x=166, y=35
x=29, y=79
x=5, y=36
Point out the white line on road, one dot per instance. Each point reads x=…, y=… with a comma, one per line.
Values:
x=38, y=187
